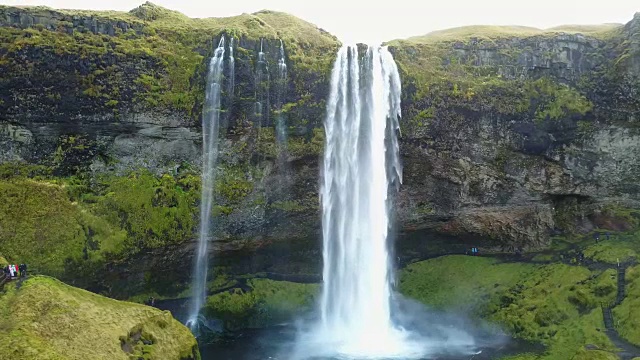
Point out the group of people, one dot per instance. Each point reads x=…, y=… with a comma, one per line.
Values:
x=13, y=271
x=596, y=236
x=473, y=251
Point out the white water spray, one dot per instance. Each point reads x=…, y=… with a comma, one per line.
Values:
x=361, y=163
x=210, y=133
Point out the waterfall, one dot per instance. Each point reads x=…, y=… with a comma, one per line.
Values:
x=232, y=68
x=262, y=87
x=210, y=133
x=282, y=64
x=232, y=74
x=281, y=126
x=361, y=166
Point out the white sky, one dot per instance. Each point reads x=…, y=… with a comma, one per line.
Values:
x=376, y=21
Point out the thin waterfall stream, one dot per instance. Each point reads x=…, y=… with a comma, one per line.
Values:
x=262, y=83
x=281, y=124
x=210, y=133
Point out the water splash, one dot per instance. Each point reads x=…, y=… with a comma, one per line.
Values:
x=360, y=316
x=210, y=133
x=361, y=161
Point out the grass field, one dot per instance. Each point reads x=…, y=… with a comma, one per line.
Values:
x=46, y=319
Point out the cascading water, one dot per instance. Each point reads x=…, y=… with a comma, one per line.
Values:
x=262, y=87
x=360, y=316
x=281, y=126
x=232, y=68
x=210, y=132
x=361, y=163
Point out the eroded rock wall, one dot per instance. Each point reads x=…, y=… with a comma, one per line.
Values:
x=505, y=140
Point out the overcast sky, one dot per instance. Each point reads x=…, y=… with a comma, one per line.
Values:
x=376, y=20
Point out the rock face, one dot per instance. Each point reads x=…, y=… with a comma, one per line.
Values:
x=508, y=129
x=507, y=136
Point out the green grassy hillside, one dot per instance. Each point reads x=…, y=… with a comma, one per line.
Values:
x=487, y=32
x=556, y=304
x=42, y=318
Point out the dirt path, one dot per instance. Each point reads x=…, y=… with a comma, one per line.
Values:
x=628, y=350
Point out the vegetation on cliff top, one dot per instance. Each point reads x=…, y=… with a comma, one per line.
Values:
x=170, y=46
x=46, y=319
x=519, y=74
x=492, y=32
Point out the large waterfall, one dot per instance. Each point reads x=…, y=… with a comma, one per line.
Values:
x=210, y=132
x=361, y=166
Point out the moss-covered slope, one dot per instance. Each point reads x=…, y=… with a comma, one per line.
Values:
x=628, y=313
x=88, y=93
x=42, y=318
x=557, y=305
x=262, y=303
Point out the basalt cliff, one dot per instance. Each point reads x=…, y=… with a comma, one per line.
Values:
x=509, y=135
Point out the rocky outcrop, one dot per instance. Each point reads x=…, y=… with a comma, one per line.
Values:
x=564, y=56
x=505, y=129
x=56, y=20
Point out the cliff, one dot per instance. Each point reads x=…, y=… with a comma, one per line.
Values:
x=507, y=129
x=509, y=135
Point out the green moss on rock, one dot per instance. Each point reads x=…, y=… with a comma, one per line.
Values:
x=557, y=305
x=72, y=228
x=154, y=211
x=627, y=314
x=267, y=302
x=620, y=248
x=39, y=225
x=458, y=280
x=151, y=55
x=46, y=319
